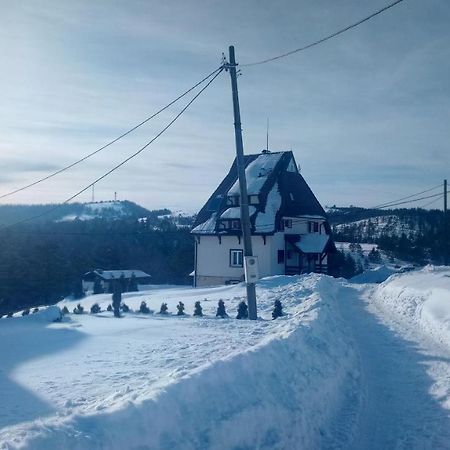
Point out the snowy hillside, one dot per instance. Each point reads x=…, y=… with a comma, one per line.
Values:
x=350, y=366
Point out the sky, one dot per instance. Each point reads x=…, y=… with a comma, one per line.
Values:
x=367, y=114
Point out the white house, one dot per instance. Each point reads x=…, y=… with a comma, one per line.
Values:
x=290, y=231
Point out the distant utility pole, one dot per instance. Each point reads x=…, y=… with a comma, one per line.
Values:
x=446, y=237
x=245, y=216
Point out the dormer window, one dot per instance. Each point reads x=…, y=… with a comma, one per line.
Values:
x=233, y=200
x=253, y=199
x=229, y=224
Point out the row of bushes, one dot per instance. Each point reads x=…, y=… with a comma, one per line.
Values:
x=242, y=312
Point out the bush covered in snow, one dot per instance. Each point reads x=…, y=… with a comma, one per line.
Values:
x=163, y=309
x=180, y=308
x=95, y=308
x=221, y=310
x=64, y=310
x=144, y=309
x=242, y=311
x=277, y=309
x=198, y=311
x=78, y=309
x=124, y=307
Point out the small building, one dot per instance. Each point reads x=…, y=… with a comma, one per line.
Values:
x=108, y=276
x=290, y=231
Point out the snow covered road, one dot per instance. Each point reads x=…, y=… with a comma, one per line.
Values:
x=397, y=410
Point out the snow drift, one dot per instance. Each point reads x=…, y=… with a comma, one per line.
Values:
x=285, y=391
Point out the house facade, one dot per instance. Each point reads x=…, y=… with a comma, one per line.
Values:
x=290, y=231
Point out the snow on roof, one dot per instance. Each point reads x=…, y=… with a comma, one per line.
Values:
x=235, y=212
x=257, y=172
x=109, y=274
x=206, y=227
x=312, y=243
x=265, y=221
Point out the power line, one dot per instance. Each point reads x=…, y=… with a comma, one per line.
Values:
x=386, y=204
x=414, y=200
x=432, y=201
x=218, y=71
x=324, y=39
x=84, y=158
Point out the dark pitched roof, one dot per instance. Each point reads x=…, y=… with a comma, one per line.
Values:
x=281, y=189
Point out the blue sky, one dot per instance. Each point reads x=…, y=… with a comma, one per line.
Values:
x=367, y=114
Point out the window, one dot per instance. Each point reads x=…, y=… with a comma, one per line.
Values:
x=287, y=223
x=280, y=256
x=313, y=227
x=235, y=224
x=236, y=258
x=233, y=200
x=253, y=199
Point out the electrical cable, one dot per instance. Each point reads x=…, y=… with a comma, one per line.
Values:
x=324, y=39
x=125, y=160
x=84, y=158
x=383, y=205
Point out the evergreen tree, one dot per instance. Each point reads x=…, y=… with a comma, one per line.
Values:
x=133, y=286
x=180, y=308
x=221, y=310
x=163, y=309
x=198, y=311
x=25, y=312
x=95, y=308
x=98, y=288
x=116, y=297
x=277, y=309
x=144, y=309
x=242, y=311
x=64, y=310
x=78, y=309
x=125, y=308
x=109, y=308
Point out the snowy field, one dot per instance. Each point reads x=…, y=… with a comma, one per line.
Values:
x=350, y=366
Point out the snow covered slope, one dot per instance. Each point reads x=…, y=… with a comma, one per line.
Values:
x=149, y=381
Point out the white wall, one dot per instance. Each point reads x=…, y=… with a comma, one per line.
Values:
x=213, y=258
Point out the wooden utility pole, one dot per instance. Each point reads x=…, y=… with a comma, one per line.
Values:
x=245, y=216
x=446, y=236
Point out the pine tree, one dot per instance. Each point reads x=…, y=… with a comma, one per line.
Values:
x=133, y=286
x=144, y=309
x=95, y=308
x=109, y=308
x=98, y=288
x=242, y=311
x=180, y=308
x=78, y=309
x=64, y=310
x=198, y=311
x=277, y=309
x=25, y=312
x=163, y=309
x=221, y=310
x=125, y=308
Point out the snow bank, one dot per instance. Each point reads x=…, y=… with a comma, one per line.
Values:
x=285, y=391
x=377, y=275
x=421, y=298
